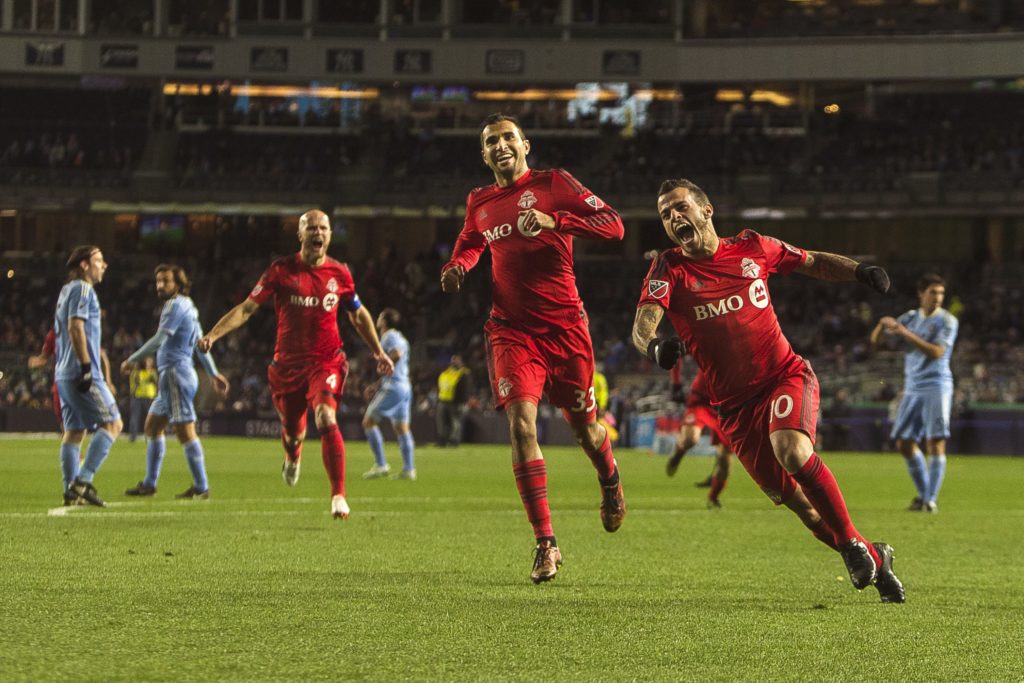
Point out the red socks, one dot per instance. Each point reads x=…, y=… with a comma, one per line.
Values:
x=293, y=453
x=603, y=460
x=532, y=482
x=332, y=448
x=821, y=488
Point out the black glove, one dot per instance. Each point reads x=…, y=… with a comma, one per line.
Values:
x=874, y=277
x=85, y=379
x=666, y=352
x=678, y=393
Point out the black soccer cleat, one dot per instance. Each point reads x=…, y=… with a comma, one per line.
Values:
x=141, y=489
x=704, y=484
x=87, y=492
x=889, y=587
x=192, y=493
x=859, y=563
x=916, y=505
x=71, y=499
x=673, y=463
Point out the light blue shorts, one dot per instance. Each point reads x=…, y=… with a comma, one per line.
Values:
x=176, y=395
x=923, y=415
x=393, y=402
x=86, y=410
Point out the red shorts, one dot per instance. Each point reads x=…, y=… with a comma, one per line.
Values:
x=524, y=366
x=295, y=387
x=701, y=416
x=792, y=403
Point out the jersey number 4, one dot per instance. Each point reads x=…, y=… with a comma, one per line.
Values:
x=585, y=401
x=332, y=381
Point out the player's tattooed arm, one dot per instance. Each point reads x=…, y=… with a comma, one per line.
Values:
x=825, y=266
x=645, y=325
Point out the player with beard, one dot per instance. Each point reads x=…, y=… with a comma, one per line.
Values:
x=715, y=291
x=174, y=345
x=537, y=336
x=309, y=366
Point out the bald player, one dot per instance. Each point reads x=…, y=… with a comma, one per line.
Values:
x=309, y=366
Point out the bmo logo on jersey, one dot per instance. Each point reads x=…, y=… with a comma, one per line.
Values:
x=497, y=232
x=329, y=302
x=757, y=294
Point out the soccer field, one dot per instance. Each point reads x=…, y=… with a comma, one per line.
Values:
x=429, y=580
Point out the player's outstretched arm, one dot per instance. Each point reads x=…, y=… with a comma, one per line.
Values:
x=363, y=322
x=232, y=320
x=822, y=265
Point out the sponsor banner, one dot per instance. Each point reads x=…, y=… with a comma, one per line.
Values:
x=412, y=61
x=44, y=53
x=506, y=61
x=119, y=56
x=271, y=59
x=193, y=57
x=620, y=62
x=345, y=60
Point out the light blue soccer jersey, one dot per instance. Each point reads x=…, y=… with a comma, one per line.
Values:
x=77, y=300
x=391, y=340
x=921, y=372
x=180, y=320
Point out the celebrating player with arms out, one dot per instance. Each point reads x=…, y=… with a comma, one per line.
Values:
x=537, y=335
x=309, y=366
x=716, y=294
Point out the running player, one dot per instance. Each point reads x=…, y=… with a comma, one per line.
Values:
x=716, y=294
x=537, y=335
x=309, y=366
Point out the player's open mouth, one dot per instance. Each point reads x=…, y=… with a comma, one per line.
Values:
x=318, y=243
x=685, y=233
x=502, y=158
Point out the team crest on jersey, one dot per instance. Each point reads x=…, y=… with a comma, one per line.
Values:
x=657, y=288
x=332, y=285
x=504, y=387
x=594, y=201
x=527, y=200
x=750, y=269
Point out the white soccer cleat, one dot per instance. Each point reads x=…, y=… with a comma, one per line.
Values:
x=377, y=472
x=339, y=508
x=406, y=474
x=290, y=471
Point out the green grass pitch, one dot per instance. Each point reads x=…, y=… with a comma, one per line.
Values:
x=429, y=580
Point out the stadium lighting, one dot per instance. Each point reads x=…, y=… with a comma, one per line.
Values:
x=319, y=92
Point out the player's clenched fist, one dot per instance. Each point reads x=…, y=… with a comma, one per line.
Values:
x=532, y=221
x=204, y=345
x=451, y=279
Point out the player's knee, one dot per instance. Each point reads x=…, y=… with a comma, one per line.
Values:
x=523, y=430
x=369, y=422
x=114, y=428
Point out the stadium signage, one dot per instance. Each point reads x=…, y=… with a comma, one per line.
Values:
x=194, y=57
x=505, y=61
x=620, y=62
x=345, y=60
x=273, y=59
x=119, y=56
x=44, y=53
x=413, y=62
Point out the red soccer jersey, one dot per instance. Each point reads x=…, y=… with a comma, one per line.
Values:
x=721, y=309
x=533, y=283
x=306, y=301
